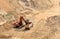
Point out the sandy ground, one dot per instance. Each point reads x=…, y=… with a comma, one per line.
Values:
x=39, y=30
x=4, y=5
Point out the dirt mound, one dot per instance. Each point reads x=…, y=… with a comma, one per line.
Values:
x=21, y=5
x=39, y=5
x=54, y=23
x=53, y=20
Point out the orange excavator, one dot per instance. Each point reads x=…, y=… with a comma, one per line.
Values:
x=20, y=24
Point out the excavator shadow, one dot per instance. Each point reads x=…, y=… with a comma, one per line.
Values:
x=19, y=27
x=22, y=28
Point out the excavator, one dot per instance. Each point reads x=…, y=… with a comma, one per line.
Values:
x=23, y=23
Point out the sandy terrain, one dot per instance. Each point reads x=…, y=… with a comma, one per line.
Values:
x=46, y=21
